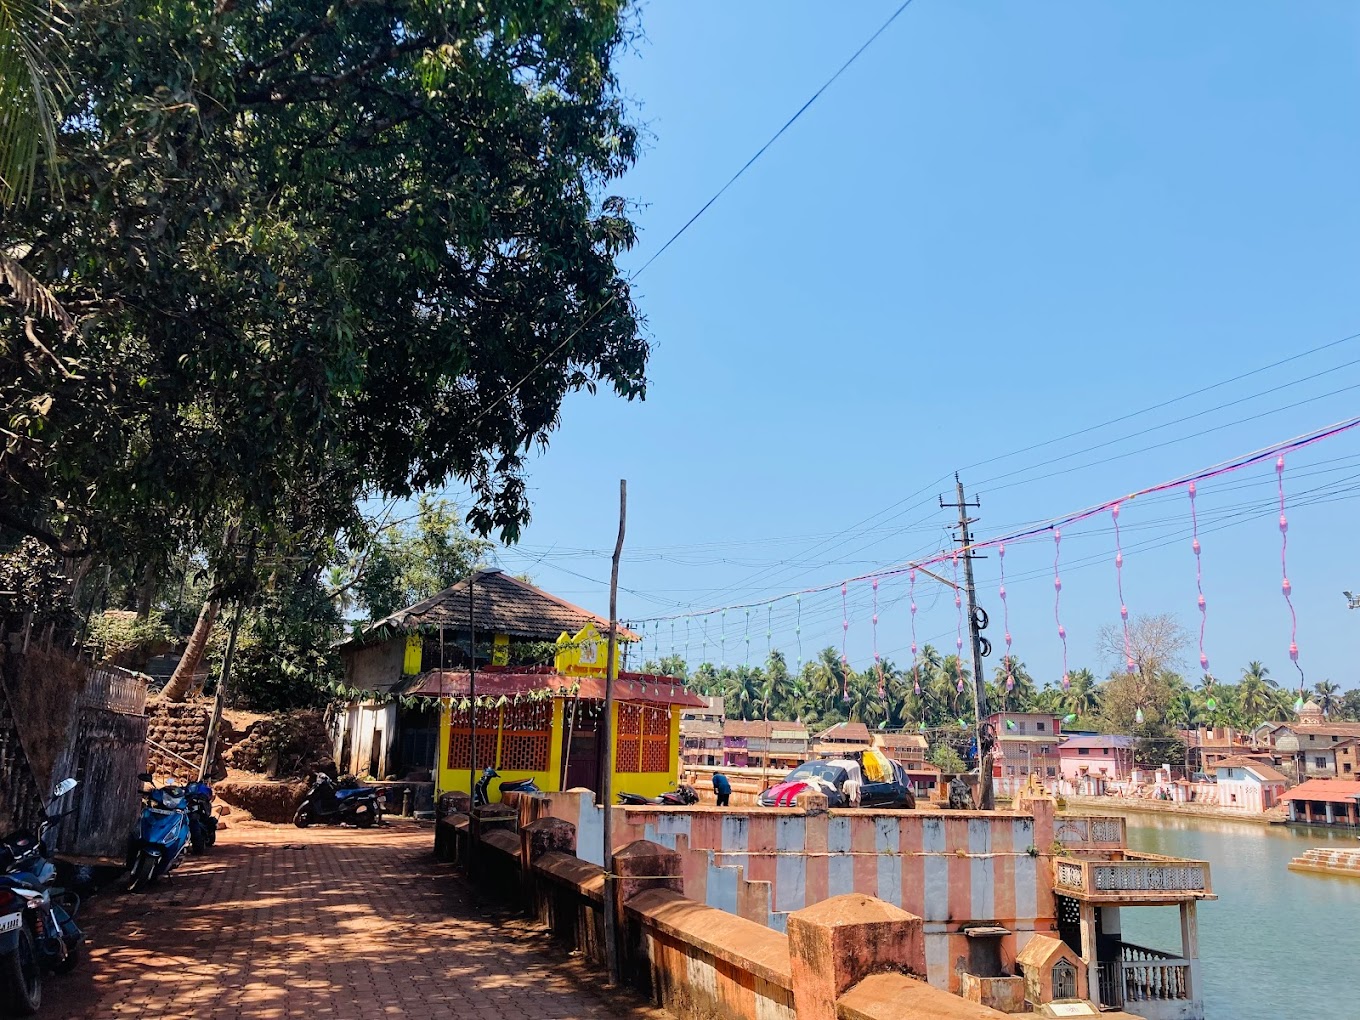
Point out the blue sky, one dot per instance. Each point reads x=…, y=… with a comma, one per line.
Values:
x=1005, y=223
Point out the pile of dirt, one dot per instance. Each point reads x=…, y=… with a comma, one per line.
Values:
x=266, y=801
x=287, y=744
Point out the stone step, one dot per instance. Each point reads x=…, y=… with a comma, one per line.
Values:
x=1328, y=861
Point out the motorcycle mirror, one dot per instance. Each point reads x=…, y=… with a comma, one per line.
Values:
x=64, y=787
x=144, y=776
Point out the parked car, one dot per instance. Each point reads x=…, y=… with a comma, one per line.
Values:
x=884, y=785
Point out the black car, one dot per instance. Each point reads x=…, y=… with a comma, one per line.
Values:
x=830, y=777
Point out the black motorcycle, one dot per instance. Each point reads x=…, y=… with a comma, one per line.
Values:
x=481, y=792
x=202, y=821
x=348, y=802
x=681, y=796
x=38, y=931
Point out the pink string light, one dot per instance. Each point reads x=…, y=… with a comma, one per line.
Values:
x=845, y=661
x=958, y=640
x=1055, y=524
x=1285, y=586
x=1006, y=618
x=1119, y=583
x=1199, y=578
x=915, y=663
x=878, y=662
x=1057, y=604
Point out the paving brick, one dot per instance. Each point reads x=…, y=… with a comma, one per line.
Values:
x=323, y=924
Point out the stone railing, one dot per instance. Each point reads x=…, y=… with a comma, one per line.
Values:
x=1134, y=876
x=1090, y=832
x=1151, y=975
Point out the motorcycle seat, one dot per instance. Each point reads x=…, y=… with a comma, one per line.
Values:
x=350, y=794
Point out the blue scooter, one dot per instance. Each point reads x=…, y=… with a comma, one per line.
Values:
x=162, y=834
x=38, y=931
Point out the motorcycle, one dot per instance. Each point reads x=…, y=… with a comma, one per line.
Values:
x=346, y=802
x=481, y=792
x=37, y=919
x=202, y=821
x=162, y=834
x=681, y=796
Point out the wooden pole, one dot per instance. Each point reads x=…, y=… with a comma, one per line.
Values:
x=611, y=934
x=215, y=723
x=472, y=688
x=210, y=744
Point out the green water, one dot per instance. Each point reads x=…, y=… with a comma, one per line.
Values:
x=1277, y=943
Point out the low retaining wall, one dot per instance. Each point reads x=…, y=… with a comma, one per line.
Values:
x=850, y=957
x=951, y=868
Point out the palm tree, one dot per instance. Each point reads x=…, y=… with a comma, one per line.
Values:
x=1020, y=697
x=865, y=704
x=779, y=686
x=1082, y=697
x=1327, y=696
x=31, y=81
x=1184, y=711
x=1256, y=672
x=828, y=675
x=1254, y=698
x=743, y=694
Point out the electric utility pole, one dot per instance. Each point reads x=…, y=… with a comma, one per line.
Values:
x=977, y=619
x=611, y=936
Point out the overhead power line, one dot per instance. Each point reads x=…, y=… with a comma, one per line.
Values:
x=702, y=209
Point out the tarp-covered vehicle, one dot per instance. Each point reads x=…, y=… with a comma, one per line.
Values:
x=871, y=780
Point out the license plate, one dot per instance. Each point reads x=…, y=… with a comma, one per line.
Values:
x=11, y=922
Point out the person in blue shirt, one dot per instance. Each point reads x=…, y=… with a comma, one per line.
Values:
x=722, y=788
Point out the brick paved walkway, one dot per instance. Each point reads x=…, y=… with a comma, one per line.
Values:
x=324, y=924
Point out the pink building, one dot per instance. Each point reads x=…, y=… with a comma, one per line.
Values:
x=1105, y=756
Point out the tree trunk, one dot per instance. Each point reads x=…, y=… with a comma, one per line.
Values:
x=182, y=680
x=146, y=593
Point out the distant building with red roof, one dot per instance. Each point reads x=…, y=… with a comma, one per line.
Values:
x=1325, y=802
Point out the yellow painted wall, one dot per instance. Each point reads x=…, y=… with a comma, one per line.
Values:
x=459, y=779
x=650, y=784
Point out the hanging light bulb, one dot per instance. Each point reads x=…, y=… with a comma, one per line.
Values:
x=1211, y=704
x=1010, y=725
x=1138, y=717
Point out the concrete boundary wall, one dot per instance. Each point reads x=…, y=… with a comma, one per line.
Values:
x=704, y=963
x=949, y=868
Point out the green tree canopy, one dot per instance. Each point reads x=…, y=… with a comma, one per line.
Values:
x=315, y=252
x=411, y=561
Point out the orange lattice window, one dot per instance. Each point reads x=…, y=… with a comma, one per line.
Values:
x=628, y=747
x=656, y=740
x=526, y=737
x=460, y=737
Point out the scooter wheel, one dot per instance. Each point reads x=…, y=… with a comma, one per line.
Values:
x=73, y=953
x=364, y=820
x=21, y=978
x=143, y=872
x=302, y=819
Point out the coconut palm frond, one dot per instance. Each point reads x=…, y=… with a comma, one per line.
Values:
x=32, y=76
x=31, y=296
